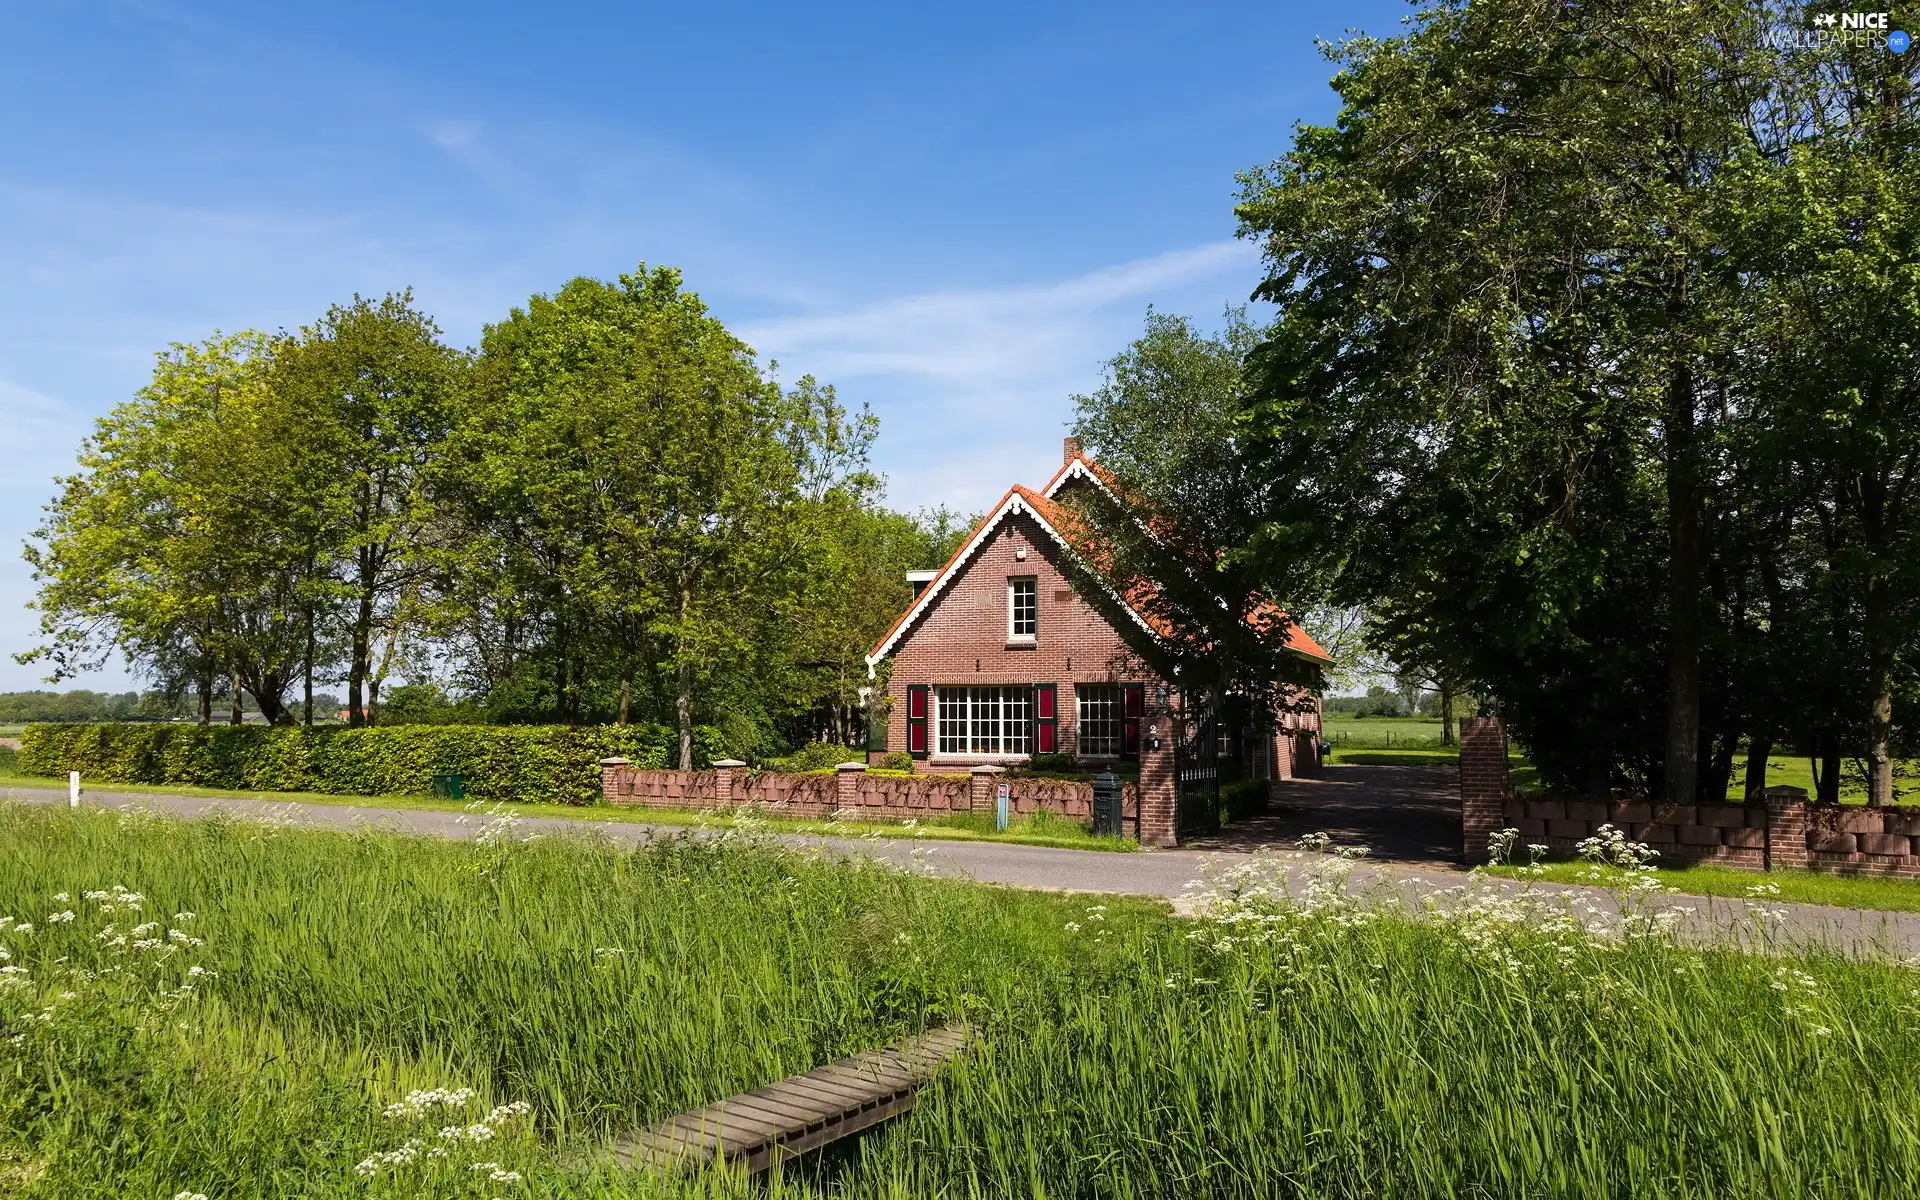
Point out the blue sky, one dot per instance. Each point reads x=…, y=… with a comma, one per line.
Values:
x=953, y=215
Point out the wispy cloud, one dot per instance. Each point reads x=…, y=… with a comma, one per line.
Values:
x=973, y=387
x=465, y=142
x=42, y=434
x=990, y=335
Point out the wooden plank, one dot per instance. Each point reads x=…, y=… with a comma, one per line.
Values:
x=782, y=1119
x=737, y=1128
x=760, y=1129
x=822, y=1091
x=805, y=1093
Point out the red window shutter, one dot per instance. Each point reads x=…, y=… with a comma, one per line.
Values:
x=1045, y=718
x=917, y=720
x=1134, y=705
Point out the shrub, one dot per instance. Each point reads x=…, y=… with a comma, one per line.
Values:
x=528, y=763
x=899, y=760
x=818, y=756
x=1054, y=766
x=1244, y=797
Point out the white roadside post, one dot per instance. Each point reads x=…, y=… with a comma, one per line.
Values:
x=73, y=789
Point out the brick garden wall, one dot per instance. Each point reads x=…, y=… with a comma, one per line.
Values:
x=1728, y=835
x=1782, y=830
x=1785, y=831
x=851, y=792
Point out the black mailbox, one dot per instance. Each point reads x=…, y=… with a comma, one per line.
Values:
x=1106, y=805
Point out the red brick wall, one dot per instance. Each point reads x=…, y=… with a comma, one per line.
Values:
x=962, y=638
x=1784, y=831
x=857, y=795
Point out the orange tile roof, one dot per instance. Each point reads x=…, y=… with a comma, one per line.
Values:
x=1070, y=529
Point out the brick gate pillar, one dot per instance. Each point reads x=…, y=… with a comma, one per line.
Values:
x=846, y=785
x=980, y=785
x=1483, y=783
x=1156, y=804
x=616, y=780
x=729, y=781
x=1786, y=827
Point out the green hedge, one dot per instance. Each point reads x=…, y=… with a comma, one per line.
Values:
x=1244, y=797
x=530, y=763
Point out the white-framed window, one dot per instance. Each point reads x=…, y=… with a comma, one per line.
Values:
x=1023, y=608
x=985, y=720
x=1100, y=713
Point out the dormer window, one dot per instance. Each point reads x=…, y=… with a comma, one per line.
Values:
x=1023, y=608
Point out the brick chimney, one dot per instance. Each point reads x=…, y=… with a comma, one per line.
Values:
x=1070, y=451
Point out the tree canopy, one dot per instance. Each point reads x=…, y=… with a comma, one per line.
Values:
x=611, y=510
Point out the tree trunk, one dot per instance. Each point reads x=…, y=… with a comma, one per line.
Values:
x=683, y=680
x=1880, y=653
x=362, y=665
x=1446, y=716
x=306, y=670
x=373, y=701
x=236, y=712
x=1680, y=776
x=1758, y=751
x=1827, y=778
x=625, y=693
x=1716, y=779
x=560, y=667
x=1599, y=769
x=206, y=695
x=267, y=697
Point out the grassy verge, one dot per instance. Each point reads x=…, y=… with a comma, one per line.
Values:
x=1039, y=829
x=1796, y=887
x=1395, y=758
x=1524, y=774
x=1262, y=1050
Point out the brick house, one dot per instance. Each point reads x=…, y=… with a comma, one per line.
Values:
x=999, y=657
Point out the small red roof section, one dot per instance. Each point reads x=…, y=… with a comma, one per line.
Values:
x=1067, y=528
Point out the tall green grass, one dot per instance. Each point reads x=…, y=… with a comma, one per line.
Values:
x=1272, y=1049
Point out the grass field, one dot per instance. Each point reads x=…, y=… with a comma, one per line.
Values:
x=1415, y=741
x=1794, y=887
x=1382, y=733
x=1267, y=1049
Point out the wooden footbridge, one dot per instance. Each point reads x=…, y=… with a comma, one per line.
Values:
x=763, y=1128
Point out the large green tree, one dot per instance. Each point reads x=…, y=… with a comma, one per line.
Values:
x=1179, y=502
x=379, y=382
x=1497, y=383
x=619, y=440
x=1828, y=247
x=184, y=542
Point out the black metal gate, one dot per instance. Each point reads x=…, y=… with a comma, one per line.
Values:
x=1196, y=778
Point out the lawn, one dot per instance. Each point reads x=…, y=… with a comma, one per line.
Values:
x=1382, y=733
x=1263, y=1050
x=1039, y=829
x=1415, y=741
x=1796, y=887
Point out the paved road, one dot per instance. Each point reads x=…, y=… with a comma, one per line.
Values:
x=1161, y=873
x=1408, y=815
